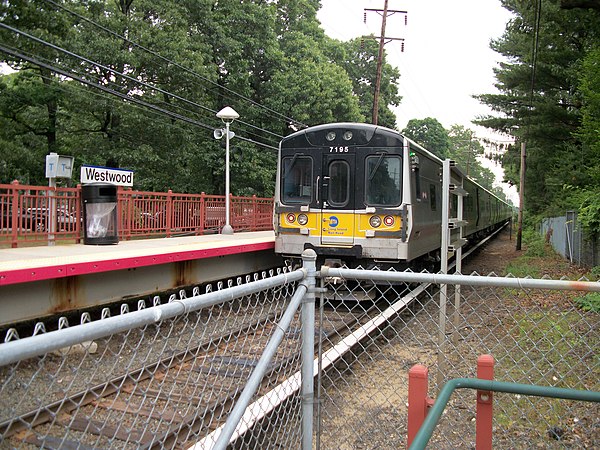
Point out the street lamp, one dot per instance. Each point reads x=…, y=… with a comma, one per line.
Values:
x=227, y=115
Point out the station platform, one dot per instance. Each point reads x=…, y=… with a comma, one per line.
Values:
x=44, y=280
x=20, y=265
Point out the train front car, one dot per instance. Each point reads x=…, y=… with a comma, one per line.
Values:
x=343, y=190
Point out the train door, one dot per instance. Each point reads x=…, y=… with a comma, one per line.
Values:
x=338, y=196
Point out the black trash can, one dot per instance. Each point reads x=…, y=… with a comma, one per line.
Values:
x=99, y=214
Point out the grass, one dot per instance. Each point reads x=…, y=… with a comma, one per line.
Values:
x=589, y=302
x=538, y=259
x=550, y=339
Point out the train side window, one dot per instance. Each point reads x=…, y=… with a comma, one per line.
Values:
x=383, y=180
x=339, y=183
x=296, y=179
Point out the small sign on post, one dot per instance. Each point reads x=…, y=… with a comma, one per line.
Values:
x=57, y=166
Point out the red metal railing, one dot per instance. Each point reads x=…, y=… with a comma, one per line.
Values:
x=26, y=214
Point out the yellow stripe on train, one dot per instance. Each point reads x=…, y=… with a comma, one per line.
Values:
x=338, y=224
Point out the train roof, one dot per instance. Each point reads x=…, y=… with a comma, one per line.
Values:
x=383, y=136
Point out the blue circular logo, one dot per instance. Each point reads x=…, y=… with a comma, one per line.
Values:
x=333, y=221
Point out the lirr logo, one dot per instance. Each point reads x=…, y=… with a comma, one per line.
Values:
x=333, y=221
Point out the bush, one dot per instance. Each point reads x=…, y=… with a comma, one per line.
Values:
x=535, y=244
x=589, y=302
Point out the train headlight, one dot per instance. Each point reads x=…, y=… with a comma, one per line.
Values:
x=290, y=218
x=388, y=221
x=302, y=219
x=347, y=135
x=330, y=136
x=375, y=221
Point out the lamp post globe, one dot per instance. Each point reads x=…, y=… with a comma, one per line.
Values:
x=227, y=115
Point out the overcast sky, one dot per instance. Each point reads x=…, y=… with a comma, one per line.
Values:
x=446, y=56
x=446, y=59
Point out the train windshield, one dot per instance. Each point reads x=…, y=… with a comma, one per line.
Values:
x=297, y=179
x=383, y=180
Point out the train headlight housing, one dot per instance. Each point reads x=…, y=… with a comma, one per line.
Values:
x=291, y=218
x=347, y=135
x=388, y=221
x=375, y=221
x=330, y=136
x=302, y=219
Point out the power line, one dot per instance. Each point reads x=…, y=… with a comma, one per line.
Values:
x=382, y=41
x=125, y=97
x=278, y=114
x=127, y=77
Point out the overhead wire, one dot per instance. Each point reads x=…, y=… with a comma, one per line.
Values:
x=125, y=97
x=179, y=66
x=116, y=72
x=70, y=74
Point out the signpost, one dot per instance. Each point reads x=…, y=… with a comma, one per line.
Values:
x=57, y=166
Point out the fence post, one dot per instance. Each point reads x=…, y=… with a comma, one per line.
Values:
x=418, y=401
x=309, y=258
x=202, y=212
x=254, y=213
x=484, y=415
x=170, y=211
x=79, y=225
x=17, y=214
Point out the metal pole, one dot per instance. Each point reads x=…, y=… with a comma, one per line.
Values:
x=521, y=197
x=227, y=229
x=261, y=367
x=309, y=258
x=52, y=214
x=379, y=65
x=320, y=365
x=443, y=269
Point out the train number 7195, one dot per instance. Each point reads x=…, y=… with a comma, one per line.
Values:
x=338, y=149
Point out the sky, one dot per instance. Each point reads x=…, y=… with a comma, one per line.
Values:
x=446, y=59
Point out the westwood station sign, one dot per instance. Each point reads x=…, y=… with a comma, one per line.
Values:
x=94, y=174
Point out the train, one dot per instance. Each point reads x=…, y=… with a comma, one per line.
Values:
x=362, y=195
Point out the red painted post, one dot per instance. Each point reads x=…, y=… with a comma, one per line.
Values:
x=253, y=227
x=483, y=428
x=418, y=401
x=170, y=212
x=202, y=212
x=18, y=215
x=78, y=215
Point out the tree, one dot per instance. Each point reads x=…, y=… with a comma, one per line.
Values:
x=359, y=58
x=430, y=134
x=548, y=114
x=137, y=83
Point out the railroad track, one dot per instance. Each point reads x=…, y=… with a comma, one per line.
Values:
x=157, y=405
x=163, y=404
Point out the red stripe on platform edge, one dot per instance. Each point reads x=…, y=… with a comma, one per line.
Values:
x=65, y=270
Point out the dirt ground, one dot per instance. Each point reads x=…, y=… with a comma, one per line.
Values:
x=365, y=407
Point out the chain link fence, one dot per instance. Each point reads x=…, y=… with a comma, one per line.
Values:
x=539, y=336
x=163, y=376
x=169, y=375
x=569, y=239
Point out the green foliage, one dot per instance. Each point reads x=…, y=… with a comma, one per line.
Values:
x=430, y=134
x=589, y=302
x=169, y=67
x=559, y=119
x=535, y=257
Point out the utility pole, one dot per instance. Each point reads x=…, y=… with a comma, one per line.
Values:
x=383, y=39
x=521, y=198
